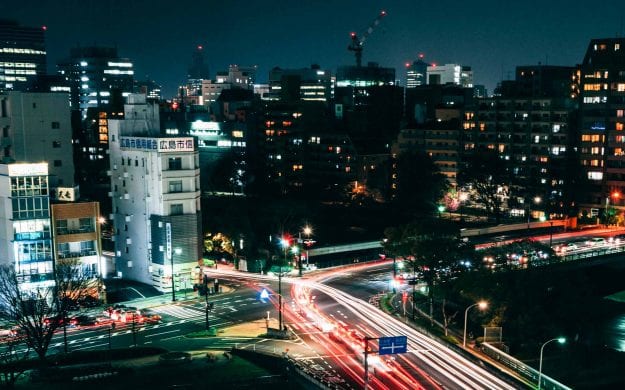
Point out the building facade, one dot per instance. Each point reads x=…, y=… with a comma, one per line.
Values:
x=76, y=232
x=22, y=55
x=96, y=76
x=155, y=191
x=450, y=73
x=601, y=89
x=37, y=127
x=25, y=229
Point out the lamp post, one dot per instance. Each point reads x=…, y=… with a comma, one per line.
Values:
x=307, y=231
x=616, y=195
x=560, y=340
x=285, y=245
x=462, y=198
x=482, y=305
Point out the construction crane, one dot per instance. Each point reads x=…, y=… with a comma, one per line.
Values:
x=357, y=42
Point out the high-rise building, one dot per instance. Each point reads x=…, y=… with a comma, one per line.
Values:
x=309, y=84
x=25, y=231
x=22, y=55
x=36, y=127
x=450, y=73
x=155, y=190
x=530, y=124
x=416, y=72
x=198, y=69
x=97, y=76
x=601, y=80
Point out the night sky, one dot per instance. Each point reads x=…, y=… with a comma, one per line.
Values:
x=491, y=36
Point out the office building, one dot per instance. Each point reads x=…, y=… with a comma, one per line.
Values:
x=416, y=72
x=25, y=231
x=36, y=127
x=309, y=84
x=98, y=78
x=22, y=55
x=155, y=191
x=450, y=73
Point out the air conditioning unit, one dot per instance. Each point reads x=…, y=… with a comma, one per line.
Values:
x=127, y=218
x=129, y=263
x=126, y=196
x=109, y=173
x=128, y=241
x=110, y=193
x=126, y=174
x=111, y=216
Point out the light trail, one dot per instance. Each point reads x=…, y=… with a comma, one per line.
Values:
x=422, y=351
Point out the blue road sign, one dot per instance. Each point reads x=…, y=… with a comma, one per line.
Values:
x=393, y=344
x=264, y=294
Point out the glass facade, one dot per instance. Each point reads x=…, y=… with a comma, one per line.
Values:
x=22, y=55
x=32, y=242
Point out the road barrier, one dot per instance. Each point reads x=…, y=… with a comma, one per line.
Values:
x=521, y=368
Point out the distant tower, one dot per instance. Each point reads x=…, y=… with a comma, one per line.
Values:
x=416, y=73
x=22, y=55
x=198, y=70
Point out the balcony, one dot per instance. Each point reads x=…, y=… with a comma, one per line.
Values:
x=75, y=255
x=178, y=173
x=65, y=231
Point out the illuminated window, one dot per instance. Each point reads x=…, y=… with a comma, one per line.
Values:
x=617, y=46
x=619, y=113
x=237, y=134
x=618, y=126
x=620, y=138
x=618, y=151
x=595, y=175
x=592, y=87
x=502, y=148
x=482, y=126
x=595, y=150
x=620, y=87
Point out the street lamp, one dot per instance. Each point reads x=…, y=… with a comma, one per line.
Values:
x=463, y=197
x=285, y=245
x=560, y=340
x=483, y=305
x=616, y=195
x=440, y=209
x=307, y=231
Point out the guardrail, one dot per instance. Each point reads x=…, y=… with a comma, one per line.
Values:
x=522, y=368
x=595, y=251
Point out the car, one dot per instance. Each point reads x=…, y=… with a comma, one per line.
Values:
x=148, y=316
x=569, y=246
x=7, y=333
x=59, y=320
x=84, y=320
x=596, y=241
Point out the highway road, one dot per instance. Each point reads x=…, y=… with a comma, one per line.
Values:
x=335, y=324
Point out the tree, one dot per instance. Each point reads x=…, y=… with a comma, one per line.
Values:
x=420, y=185
x=432, y=247
x=12, y=365
x=38, y=313
x=486, y=173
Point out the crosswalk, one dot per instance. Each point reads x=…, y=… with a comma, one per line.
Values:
x=182, y=312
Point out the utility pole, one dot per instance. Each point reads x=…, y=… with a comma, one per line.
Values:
x=366, y=378
x=280, y=296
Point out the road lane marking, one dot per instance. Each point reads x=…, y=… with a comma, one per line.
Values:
x=158, y=334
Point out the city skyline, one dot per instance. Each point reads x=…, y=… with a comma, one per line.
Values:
x=160, y=38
